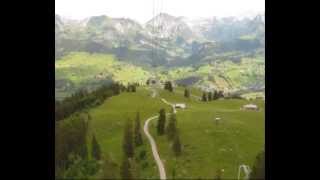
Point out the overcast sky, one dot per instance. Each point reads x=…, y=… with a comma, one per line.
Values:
x=142, y=10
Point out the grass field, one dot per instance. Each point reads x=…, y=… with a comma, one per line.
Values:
x=81, y=69
x=108, y=124
x=85, y=70
x=206, y=146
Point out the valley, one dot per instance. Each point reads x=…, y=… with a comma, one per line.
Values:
x=160, y=100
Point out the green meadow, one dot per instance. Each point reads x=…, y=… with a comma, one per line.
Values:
x=206, y=146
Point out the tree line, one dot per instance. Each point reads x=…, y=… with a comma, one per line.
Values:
x=77, y=156
x=132, y=139
x=72, y=156
x=83, y=99
x=209, y=96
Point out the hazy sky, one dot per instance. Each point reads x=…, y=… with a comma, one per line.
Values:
x=142, y=10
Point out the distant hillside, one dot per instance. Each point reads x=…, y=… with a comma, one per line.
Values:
x=83, y=70
x=222, y=53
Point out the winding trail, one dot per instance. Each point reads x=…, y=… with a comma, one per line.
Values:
x=153, y=144
x=172, y=105
x=155, y=153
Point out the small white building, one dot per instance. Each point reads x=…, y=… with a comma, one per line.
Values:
x=180, y=105
x=250, y=107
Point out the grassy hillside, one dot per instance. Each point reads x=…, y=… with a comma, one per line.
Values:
x=206, y=147
x=249, y=72
x=108, y=124
x=80, y=69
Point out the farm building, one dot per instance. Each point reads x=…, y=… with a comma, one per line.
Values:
x=180, y=105
x=250, y=107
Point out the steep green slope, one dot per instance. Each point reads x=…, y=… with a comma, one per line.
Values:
x=206, y=147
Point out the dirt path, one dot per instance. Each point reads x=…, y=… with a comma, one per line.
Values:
x=153, y=144
x=172, y=105
x=155, y=153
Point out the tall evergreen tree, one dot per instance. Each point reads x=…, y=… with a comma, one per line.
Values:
x=186, y=93
x=161, y=122
x=168, y=86
x=204, y=96
x=215, y=95
x=133, y=88
x=220, y=94
x=125, y=169
x=176, y=145
x=210, y=96
x=96, y=151
x=258, y=169
x=137, y=131
x=172, y=126
x=128, y=146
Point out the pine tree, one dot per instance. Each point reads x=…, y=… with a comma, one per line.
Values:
x=172, y=126
x=176, y=145
x=133, y=89
x=161, y=122
x=204, y=96
x=137, y=131
x=186, y=93
x=96, y=151
x=125, y=172
x=215, y=95
x=129, y=87
x=210, y=96
x=128, y=146
x=168, y=86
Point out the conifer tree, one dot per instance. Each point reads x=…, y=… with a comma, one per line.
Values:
x=176, y=145
x=96, y=151
x=128, y=146
x=161, y=122
x=137, y=131
x=204, y=96
x=133, y=88
x=186, y=93
x=210, y=96
x=215, y=95
x=172, y=126
x=168, y=86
